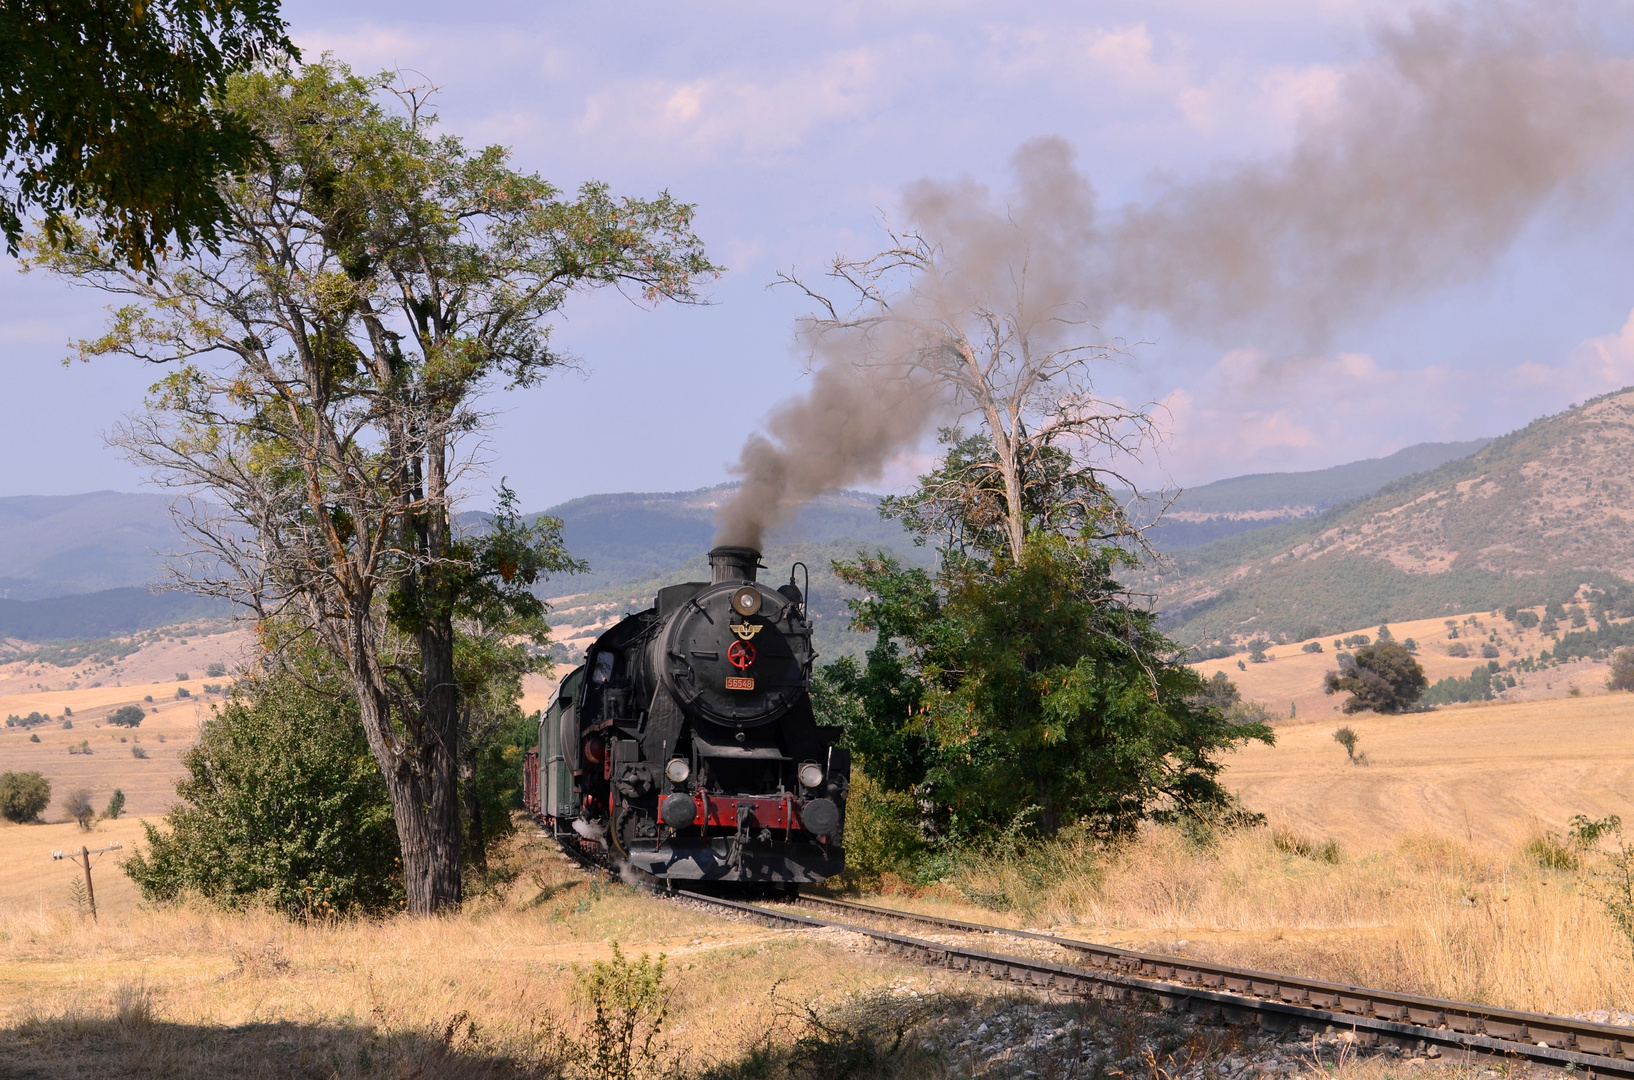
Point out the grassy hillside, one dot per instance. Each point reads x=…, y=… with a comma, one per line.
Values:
x=108, y=613
x=1528, y=518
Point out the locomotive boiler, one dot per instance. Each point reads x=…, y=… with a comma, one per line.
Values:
x=685, y=747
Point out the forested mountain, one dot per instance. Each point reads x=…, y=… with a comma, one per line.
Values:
x=1526, y=519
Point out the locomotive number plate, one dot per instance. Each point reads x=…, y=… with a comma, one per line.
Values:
x=735, y=683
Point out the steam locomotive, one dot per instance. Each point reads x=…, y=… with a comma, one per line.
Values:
x=685, y=747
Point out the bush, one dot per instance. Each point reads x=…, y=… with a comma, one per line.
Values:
x=215, y=671
x=34, y=736
x=1289, y=842
x=183, y=692
x=628, y=1003
x=1410, y=644
x=1488, y=650
x=116, y=805
x=127, y=716
x=182, y=676
x=1347, y=738
x=1551, y=853
x=1311, y=646
x=282, y=802
x=78, y=808
x=1458, y=649
x=139, y=752
x=1384, y=678
x=1622, y=671
x=23, y=795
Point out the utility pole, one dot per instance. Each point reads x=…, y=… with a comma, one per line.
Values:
x=83, y=858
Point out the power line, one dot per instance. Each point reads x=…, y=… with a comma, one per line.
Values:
x=83, y=858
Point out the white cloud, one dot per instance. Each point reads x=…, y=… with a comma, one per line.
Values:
x=754, y=115
x=1599, y=364
x=1248, y=412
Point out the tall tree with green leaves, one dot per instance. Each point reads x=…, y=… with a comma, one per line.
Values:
x=112, y=111
x=375, y=280
x=1030, y=689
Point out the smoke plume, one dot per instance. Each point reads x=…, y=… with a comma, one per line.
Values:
x=844, y=430
x=1460, y=131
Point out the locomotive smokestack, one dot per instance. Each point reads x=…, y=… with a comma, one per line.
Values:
x=733, y=564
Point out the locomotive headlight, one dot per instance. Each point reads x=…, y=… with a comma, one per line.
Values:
x=678, y=770
x=746, y=601
x=811, y=774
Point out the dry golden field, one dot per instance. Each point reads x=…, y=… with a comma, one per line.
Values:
x=1291, y=680
x=1428, y=885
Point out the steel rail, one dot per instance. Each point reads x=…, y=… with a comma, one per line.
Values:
x=1237, y=993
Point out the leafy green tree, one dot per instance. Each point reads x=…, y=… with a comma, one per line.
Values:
x=1384, y=678
x=376, y=279
x=23, y=795
x=1031, y=693
x=1218, y=692
x=1348, y=738
x=112, y=111
x=282, y=802
x=497, y=618
x=116, y=805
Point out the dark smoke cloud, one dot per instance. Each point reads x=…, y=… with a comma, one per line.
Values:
x=1463, y=129
x=844, y=430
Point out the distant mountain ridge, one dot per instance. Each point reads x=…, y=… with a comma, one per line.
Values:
x=78, y=565
x=635, y=536
x=1527, y=518
x=1241, y=504
x=60, y=545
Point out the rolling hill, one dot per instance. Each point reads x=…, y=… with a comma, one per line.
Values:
x=1526, y=519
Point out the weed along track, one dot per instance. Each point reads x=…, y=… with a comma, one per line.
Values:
x=1234, y=995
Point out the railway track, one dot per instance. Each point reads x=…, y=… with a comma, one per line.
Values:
x=1233, y=994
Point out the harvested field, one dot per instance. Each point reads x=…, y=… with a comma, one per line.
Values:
x=1292, y=678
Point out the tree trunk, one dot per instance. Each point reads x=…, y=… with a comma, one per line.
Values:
x=476, y=840
x=439, y=695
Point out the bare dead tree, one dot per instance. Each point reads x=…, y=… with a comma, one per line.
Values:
x=1004, y=342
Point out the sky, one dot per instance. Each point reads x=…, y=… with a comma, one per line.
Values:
x=797, y=129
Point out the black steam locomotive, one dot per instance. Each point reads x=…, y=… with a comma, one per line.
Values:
x=685, y=748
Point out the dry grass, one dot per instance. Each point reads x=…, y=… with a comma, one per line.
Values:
x=196, y=992
x=1426, y=914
